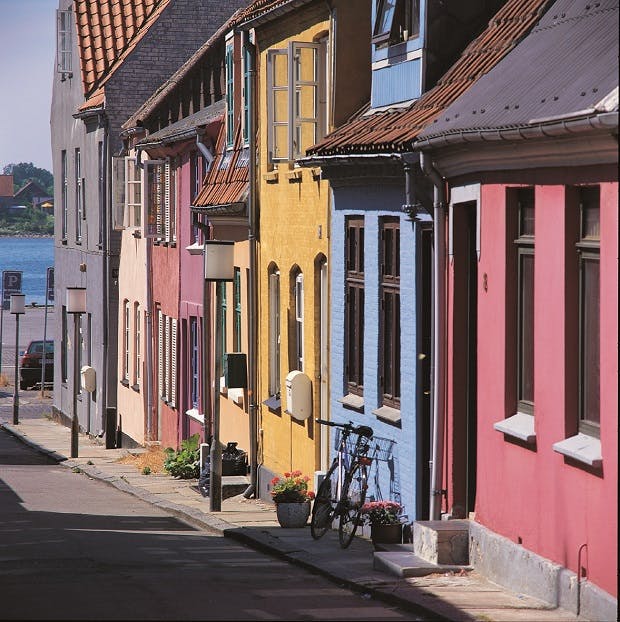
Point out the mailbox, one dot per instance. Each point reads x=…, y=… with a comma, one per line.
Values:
x=88, y=378
x=298, y=395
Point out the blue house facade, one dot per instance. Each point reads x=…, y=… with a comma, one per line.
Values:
x=381, y=245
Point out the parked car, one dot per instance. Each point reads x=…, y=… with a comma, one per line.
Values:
x=32, y=362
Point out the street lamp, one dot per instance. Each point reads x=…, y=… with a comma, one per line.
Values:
x=17, y=308
x=219, y=268
x=76, y=305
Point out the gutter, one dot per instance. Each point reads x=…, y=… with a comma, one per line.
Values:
x=561, y=125
x=252, y=489
x=348, y=160
x=439, y=337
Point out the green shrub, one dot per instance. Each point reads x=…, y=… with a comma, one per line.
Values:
x=185, y=463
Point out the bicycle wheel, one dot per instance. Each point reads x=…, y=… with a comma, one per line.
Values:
x=324, y=505
x=352, y=500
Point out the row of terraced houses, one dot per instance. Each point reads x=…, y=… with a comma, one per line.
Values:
x=423, y=201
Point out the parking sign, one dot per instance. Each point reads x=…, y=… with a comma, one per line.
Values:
x=11, y=284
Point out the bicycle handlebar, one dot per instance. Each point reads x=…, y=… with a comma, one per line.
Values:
x=362, y=430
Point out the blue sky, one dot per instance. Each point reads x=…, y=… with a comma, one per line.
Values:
x=27, y=50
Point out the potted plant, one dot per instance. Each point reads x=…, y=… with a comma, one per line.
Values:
x=384, y=518
x=292, y=498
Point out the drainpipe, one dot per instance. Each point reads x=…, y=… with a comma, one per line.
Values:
x=439, y=300
x=252, y=489
x=149, y=325
x=110, y=435
x=206, y=152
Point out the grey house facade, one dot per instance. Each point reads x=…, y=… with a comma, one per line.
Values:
x=111, y=56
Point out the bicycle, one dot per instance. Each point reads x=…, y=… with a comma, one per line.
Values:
x=343, y=490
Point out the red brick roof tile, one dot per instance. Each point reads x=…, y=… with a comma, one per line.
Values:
x=107, y=31
x=395, y=130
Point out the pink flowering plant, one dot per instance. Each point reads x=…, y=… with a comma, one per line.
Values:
x=292, y=488
x=382, y=512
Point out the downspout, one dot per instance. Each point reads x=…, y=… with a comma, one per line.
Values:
x=110, y=435
x=149, y=326
x=439, y=338
x=252, y=489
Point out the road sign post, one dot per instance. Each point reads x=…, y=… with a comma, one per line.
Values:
x=11, y=284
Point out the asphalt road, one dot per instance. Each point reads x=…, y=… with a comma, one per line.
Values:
x=75, y=548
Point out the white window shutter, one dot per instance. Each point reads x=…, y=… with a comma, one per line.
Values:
x=118, y=193
x=160, y=354
x=167, y=361
x=173, y=363
x=167, y=200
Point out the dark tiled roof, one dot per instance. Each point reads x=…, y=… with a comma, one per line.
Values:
x=226, y=182
x=567, y=64
x=161, y=93
x=395, y=130
x=108, y=30
x=268, y=9
x=186, y=128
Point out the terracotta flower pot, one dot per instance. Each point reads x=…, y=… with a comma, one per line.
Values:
x=293, y=515
x=386, y=534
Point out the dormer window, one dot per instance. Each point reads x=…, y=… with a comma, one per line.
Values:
x=64, y=25
x=396, y=21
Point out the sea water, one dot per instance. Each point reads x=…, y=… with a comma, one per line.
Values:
x=31, y=256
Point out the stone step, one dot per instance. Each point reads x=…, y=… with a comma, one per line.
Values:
x=403, y=563
x=233, y=485
x=442, y=542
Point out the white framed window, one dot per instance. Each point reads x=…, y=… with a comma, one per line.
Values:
x=64, y=39
x=64, y=194
x=274, y=333
x=133, y=193
x=79, y=196
x=137, y=349
x=126, y=340
x=230, y=97
x=296, y=103
x=396, y=21
x=299, y=321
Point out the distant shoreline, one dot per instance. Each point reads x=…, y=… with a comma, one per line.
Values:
x=25, y=235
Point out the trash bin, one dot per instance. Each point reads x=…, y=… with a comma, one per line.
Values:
x=234, y=461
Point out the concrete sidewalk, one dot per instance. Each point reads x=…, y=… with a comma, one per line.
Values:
x=466, y=596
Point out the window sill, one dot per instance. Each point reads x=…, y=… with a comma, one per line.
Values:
x=274, y=404
x=236, y=396
x=193, y=413
x=316, y=173
x=271, y=177
x=583, y=448
x=519, y=426
x=136, y=388
x=352, y=401
x=387, y=413
x=125, y=383
x=293, y=177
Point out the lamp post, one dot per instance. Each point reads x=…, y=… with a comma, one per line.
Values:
x=218, y=268
x=17, y=308
x=76, y=305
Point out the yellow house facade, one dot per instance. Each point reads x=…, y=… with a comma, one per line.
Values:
x=293, y=56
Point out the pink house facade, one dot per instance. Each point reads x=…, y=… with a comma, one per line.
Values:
x=530, y=164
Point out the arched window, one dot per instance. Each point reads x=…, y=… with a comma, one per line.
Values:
x=274, y=331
